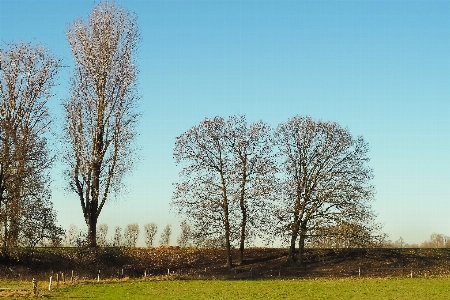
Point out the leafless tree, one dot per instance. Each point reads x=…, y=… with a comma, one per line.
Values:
x=400, y=243
x=102, y=232
x=436, y=240
x=253, y=176
x=27, y=75
x=150, y=230
x=227, y=179
x=38, y=224
x=185, y=235
x=345, y=234
x=72, y=236
x=118, y=239
x=131, y=235
x=165, y=235
x=203, y=194
x=325, y=178
x=100, y=114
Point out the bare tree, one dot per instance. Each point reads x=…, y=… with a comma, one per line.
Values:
x=165, y=235
x=118, y=239
x=253, y=176
x=227, y=180
x=150, y=230
x=102, y=232
x=72, y=236
x=131, y=235
x=100, y=117
x=203, y=193
x=345, y=234
x=185, y=235
x=400, y=243
x=27, y=75
x=436, y=241
x=38, y=224
x=325, y=178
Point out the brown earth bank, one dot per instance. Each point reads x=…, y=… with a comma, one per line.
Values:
x=193, y=263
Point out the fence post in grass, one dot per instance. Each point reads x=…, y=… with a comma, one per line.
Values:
x=411, y=273
x=122, y=274
x=63, y=278
x=57, y=280
x=50, y=284
x=145, y=273
x=98, y=276
x=71, y=278
x=168, y=272
x=359, y=272
x=35, y=289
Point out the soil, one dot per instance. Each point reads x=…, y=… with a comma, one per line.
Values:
x=192, y=263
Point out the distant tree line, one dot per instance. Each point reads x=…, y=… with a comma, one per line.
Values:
x=128, y=237
x=436, y=240
x=342, y=236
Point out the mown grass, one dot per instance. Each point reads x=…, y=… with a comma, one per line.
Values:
x=367, y=288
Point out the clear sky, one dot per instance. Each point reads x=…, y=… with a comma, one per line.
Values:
x=379, y=68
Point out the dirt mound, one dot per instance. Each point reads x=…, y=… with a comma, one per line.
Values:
x=190, y=263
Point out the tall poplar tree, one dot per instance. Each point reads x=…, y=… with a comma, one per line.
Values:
x=100, y=114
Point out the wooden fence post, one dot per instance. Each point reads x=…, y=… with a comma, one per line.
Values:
x=35, y=288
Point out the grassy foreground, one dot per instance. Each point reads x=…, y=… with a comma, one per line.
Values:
x=380, y=288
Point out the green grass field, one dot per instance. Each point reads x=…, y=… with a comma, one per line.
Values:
x=383, y=288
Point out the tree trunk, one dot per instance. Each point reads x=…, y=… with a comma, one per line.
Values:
x=228, y=247
x=294, y=235
x=92, y=231
x=241, y=247
x=13, y=231
x=241, y=251
x=301, y=243
x=227, y=237
x=3, y=218
x=93, y=205
x=243, y=210
x=5, y=237
x=243, y=228
x=229, y=257
x=292, y=257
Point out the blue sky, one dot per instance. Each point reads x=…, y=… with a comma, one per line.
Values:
x=379, y=68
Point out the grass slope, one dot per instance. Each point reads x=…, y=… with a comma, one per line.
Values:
x=267, y=263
